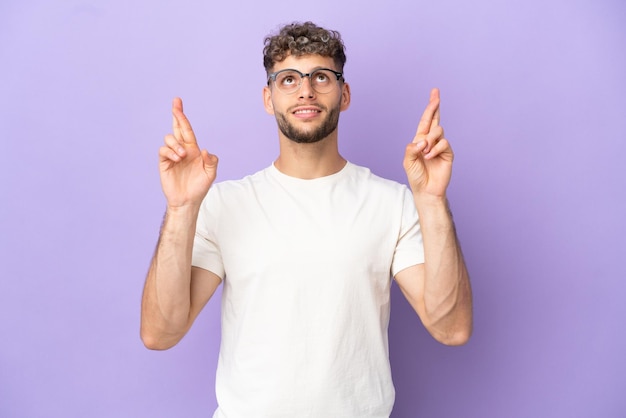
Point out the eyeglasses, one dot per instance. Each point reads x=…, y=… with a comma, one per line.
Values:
x=288, y=81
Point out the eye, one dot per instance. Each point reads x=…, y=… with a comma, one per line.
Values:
x=321, y=77
x=287, y=79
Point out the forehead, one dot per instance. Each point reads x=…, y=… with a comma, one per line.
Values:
x=305, y=63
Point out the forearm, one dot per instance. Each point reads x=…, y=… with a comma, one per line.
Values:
x=165, y=309
x=447, y=292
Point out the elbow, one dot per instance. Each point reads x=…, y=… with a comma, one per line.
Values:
x=154, y=342
x=452, y=333
x=455, y=339
x=451, y=327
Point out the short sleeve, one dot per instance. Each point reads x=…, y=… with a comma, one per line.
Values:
x=410, y=247
x=206, y=252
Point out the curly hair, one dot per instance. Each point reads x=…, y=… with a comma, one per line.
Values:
x=299, y=39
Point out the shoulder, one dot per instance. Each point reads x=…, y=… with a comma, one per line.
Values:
x=233, y=192
x=363, y=177
x=248, y=182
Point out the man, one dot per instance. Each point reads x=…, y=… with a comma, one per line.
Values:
x=305, y=249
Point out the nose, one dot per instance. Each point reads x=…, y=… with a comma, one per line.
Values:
x=306, y=88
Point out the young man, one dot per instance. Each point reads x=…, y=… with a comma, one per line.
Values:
x=305, y=249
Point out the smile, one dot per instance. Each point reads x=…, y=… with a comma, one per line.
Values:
x=304, y=111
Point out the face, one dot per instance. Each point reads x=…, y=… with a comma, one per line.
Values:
x=306, y=116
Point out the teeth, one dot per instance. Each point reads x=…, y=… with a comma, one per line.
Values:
x=306, y=111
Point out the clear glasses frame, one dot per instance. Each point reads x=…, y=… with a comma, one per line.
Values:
x=314, y=85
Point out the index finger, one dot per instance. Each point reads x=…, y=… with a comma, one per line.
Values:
x=430, y=117
x=434, y=95
x=180, y=124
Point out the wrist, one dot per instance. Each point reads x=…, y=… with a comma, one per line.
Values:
x=433, y=210
x=430, y=200
x=182, y=210
x=181, y=216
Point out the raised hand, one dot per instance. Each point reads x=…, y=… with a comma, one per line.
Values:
x=186, y=172
x=428, y=159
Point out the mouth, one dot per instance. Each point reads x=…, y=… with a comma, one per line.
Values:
x=307, y=111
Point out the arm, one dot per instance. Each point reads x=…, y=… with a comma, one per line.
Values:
x=438, y=290
x=174, y=292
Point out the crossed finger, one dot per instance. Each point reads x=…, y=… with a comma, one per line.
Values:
x=181, y=125
x=431, y=116
x=434, y=96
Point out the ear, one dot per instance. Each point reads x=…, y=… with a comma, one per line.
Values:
x=267, y=100
x=345, y=97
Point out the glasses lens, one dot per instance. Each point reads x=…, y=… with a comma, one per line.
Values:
x=323, y=81
x=288, y=81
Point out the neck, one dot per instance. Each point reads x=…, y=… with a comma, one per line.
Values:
x=309, y=161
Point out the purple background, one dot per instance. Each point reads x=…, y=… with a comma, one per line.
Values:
x=533, y=101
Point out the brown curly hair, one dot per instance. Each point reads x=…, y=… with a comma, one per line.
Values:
x=299, y=39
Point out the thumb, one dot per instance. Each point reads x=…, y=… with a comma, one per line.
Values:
x=414, y=150
x=210, y=160
x=414, y=160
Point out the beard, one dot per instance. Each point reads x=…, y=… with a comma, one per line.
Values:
x=309, y=136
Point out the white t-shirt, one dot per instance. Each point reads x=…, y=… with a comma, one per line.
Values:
x=306, y=270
